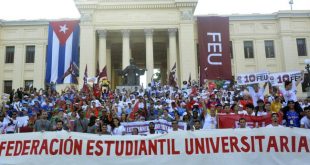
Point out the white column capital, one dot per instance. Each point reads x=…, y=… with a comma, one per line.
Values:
x=125, y=32
x=172, y=32
x=102, y=33
x=148, y=32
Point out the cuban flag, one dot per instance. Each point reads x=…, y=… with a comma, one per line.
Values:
x=62, y=51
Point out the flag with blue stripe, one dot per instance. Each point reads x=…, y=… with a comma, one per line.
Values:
x=62, y=52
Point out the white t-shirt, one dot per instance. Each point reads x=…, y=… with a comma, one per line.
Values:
x=259, y=113
x=271, y=126
x=171, y=130
x=290, y=94
x=305, y=121
x=243, y=112
x=256, y=95
x=119, y=130
x=246, y=113
x=11, y=127
x=210, y=122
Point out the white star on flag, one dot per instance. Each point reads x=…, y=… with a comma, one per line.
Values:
x=63, y=28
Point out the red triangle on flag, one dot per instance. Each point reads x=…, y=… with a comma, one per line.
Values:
x=63, y=29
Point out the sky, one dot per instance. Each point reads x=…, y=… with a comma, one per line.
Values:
x=61, y=9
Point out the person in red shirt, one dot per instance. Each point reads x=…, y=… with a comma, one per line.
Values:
x=191, y=102
x=212, y=101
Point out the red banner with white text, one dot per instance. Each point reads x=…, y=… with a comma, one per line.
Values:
x=214, y=52
x=232, y=121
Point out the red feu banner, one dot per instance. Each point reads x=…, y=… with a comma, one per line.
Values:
x=214, y=52
x=232, y=121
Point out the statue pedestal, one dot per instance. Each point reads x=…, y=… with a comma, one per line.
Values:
x=128, y=88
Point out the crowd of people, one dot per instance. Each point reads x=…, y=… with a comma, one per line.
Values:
x=104, y=111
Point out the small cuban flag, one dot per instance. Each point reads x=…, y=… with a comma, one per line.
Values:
x=62, y=51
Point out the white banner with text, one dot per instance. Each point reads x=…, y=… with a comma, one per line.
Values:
x=252, y=78
x=289, y=146
x=275, y=79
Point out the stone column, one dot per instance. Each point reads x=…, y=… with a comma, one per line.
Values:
x=172, y=48
x=102, y=48
x=87, y=52
x=109, y=66
x=126, y=48
x=149, y=54
x=188, y=53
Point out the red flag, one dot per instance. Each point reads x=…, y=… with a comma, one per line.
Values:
x=134, y=110
x=96, y=90
x=103, y=73
x=72, y=70
x=68, y=72
x=194, y=91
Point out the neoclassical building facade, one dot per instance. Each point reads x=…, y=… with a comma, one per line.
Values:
x=156, y=34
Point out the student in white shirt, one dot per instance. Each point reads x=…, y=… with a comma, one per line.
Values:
x=175, y=126
x=242, y=123
x=210, y=121
x=290, y=89
x=59, y=126
x=249, y=109
x=274, y=121
x=117, y=128
x=305, y=121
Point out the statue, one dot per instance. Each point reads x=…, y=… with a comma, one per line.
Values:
x=131, y=74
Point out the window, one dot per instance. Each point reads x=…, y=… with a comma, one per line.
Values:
x=269, y=49
x=28, y=84
x=9, y=54
x=301, y=46
x=248, y=49
x=30, y=52
x=8, y=86
x=231, y=49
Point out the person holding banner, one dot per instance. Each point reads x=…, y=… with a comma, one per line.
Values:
x=104, y=129
x=256, y=92
x=290, y=89
x=175, y=125
x=80, y=125
x=42, y=124
x=242, y=123
x=59, y=125
x=274, y=121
